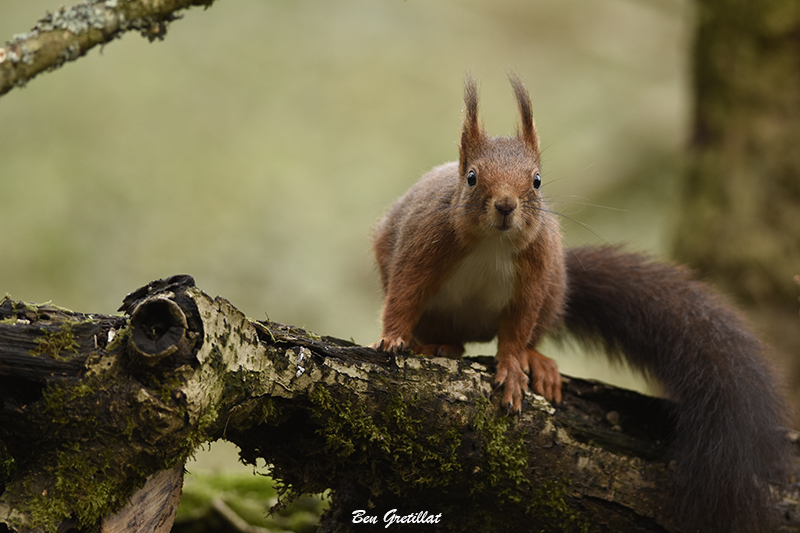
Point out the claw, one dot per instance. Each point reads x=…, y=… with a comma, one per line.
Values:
x=545, y=378
x=388, y=344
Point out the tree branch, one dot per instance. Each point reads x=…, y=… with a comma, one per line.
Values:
x=70, y=32
x=94, y=408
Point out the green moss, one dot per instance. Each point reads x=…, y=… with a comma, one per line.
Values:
x=164, y=385
x=200, y=434
x=59, y=404
x=272, y=336
x=21, y=309
x=302, y=332
x=52, y=343
x=347, y=428
x=390, y=438
x=550, y=505
x=488, y=476
x=507, y=476
x=47, y=512
x=73, y=468
x=90, y=484
x=78, y=474
x=90, y=479
x=270, y=413
x=119, y=337
x=7, y=466
x=505, y=457
x=77, y=489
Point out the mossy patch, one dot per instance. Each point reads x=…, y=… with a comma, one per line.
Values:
x=53, y=343
x=475, y=472
x=393, y=436
x=88, y=479
x=82, y=485
x=508, y=479
x=7, y=466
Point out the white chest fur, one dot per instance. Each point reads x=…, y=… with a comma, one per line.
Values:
x=482, y=284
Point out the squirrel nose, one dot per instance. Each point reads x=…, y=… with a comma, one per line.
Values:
x=505, y=206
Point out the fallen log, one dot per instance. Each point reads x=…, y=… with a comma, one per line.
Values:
x=101, y=412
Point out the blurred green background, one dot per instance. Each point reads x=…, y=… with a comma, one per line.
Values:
x=256, y=146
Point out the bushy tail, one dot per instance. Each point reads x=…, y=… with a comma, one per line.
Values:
x=729, y=442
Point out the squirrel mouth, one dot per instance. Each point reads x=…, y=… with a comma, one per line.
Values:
x=505, y=223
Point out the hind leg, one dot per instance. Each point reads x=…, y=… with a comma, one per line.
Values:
x=440, y=350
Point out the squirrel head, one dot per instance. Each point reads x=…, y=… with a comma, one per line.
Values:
x=500, y=176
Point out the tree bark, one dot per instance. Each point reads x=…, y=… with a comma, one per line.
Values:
x=70, y=32
x=96, y=406
x=740, y=222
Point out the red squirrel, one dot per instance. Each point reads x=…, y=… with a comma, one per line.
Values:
x=471, y=253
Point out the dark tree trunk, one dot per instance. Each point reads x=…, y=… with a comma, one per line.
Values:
x=740, y=220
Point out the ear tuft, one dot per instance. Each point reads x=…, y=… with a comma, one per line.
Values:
x=527, y=133
x=472, y=134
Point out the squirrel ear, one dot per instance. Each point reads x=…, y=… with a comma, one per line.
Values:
x=472, y=134
x=527, y=134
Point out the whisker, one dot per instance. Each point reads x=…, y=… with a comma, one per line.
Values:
x=531, y=203
x=583, y=204
x=585, y=226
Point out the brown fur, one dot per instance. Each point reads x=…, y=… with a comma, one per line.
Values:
x=470, y=253
x=420, y=243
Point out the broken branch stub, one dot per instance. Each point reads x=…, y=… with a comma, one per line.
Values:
x=158, y=329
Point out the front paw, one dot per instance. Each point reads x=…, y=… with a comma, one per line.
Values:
x=390, y=344
x=514, y=380
x=545, y=378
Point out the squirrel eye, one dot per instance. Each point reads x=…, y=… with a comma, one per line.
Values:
x=472, y=178
x=537, y=181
